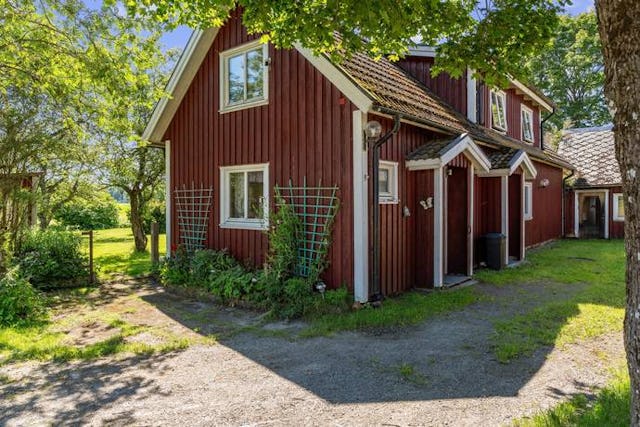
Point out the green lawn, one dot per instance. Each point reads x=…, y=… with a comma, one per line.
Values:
x=596, y=269
x=113, y=251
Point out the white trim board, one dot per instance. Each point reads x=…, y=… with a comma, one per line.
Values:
x=438, y=227
x=167, y=196
x=360, y=211
x=520, y=159
x=462, y=144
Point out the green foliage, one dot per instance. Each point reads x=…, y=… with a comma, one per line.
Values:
x=610, y=407
x=155, y=210
x=494, y=38
x=94, y=214
x=284, y=232
x=593, y=271
x=52, y=258
x=20, y=303
x=570, y=69
x=113, y=252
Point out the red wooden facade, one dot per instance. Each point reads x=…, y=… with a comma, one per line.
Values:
x=546, y=223
x=305, y=130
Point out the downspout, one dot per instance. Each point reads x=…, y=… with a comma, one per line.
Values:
x=375, y=294
x=564, y=195
x=553, y=111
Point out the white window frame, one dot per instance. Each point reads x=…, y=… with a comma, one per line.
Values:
x=243, y=223
x=390, y=197
x=527, y=200
x=225, y=106
x=503, y=113
x=524, y=110
x=616, y=212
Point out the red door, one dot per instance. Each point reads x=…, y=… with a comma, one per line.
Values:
x=457, y=220
x=423, y=236
x=515, y=215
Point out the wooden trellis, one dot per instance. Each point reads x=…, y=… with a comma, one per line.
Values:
x=193, y=206
x=316, y=208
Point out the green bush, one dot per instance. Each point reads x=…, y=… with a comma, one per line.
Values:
x=89, y=215
x=52, y=259
x=19, y=302
x=155, y=211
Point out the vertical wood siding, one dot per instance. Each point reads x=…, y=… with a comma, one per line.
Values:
x=305, y=130
x=547, y=216
x=514, y=118
x=399, y=255
x=452, y=91
x=487, y=212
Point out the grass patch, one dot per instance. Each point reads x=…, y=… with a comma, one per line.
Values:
x=407, y=309
x=610, y=407
x=114, y=252
x=50, y=341
x=595, y=309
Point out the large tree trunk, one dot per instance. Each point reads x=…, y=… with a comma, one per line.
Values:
x=619, y=26
x=137, y=225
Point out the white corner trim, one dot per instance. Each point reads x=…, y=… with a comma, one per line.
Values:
x=527, y=215
x=523, y=228
x=606, y=214
x=504, y=208
x=471, y=205
x=360, y=211
x=522, y=159
x=361, y=100
x=576, y=215
x=472, y=93
x=438, y=227
x=167, y=196
x=179, y=82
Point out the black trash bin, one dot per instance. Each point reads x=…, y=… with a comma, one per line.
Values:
x=496, y=247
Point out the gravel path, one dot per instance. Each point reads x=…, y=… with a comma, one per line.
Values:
x=442, y=372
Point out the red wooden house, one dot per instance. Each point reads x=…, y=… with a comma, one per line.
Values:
x=594, y=205
x=465, y=161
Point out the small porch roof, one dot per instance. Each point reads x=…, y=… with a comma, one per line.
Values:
x=436, y=154
x=506, y=161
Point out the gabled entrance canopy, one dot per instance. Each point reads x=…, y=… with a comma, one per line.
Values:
x=436, y=154
x=506, y=161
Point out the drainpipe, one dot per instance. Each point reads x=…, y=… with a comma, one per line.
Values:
x=553, y=111
x=375, y=295
x=564, y=195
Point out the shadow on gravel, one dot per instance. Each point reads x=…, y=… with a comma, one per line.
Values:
x=85, y=387
x=448, y=357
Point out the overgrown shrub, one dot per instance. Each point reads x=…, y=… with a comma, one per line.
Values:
x=52, y=259
x=155, y=211
x=89, y=215
x=19, y=301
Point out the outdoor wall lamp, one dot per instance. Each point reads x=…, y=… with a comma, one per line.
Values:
x=373, y=129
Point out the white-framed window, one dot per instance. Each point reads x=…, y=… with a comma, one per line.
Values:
x=618, y=207
x=527, y=208
x=244, y=77
x=388, y=182
x=527, y=124
x=499, y=110
x=244, y=196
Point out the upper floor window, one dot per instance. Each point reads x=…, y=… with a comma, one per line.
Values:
x=388, y=182
x=244, y=193
x=618, y=207
x=527, y=124
x=244, y=77
x=499, y=110
x=527, y=209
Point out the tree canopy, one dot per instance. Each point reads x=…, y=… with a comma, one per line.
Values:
x=570, y=70
x=493, y=37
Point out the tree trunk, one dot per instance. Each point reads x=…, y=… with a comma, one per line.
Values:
x=137, y=226
x=619, y=26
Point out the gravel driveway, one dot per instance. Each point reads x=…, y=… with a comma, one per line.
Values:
x=442, y=372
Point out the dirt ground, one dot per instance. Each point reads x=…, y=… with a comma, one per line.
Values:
x=441, y=372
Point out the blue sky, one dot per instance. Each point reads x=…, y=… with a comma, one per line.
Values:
x=179, y=37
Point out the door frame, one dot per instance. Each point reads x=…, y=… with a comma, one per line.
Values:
x=576, y=209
